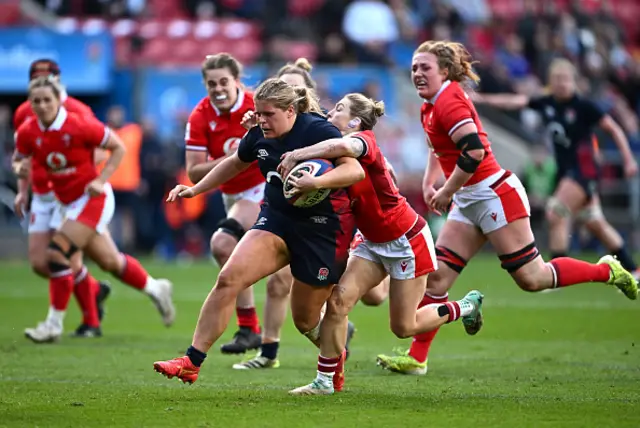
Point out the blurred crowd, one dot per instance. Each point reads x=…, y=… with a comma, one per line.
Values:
x=513, y=54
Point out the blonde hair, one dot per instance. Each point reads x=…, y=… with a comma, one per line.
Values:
x=366, y=109
x=46, y=82
x=222, y=60
x=453, y=57
x=302, y=67
x=562, y=64
x=282, y=95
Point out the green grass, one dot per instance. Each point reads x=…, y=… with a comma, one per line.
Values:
x=567, y=358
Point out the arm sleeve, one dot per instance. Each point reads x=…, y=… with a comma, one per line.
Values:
x=23, y=146
x=536, y=103
x=19, y=116
x=195, y=136
x=592, y=112
x=369, y=152
x=96, y=133
x=246, y=152
x=455, y=113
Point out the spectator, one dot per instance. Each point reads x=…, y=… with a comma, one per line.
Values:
x=126, y=180
x=153, y=182
x=371, y=26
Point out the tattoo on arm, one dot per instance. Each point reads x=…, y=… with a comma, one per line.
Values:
x=357, y=146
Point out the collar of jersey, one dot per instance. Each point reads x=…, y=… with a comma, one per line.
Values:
x=441, y=90
x=235, y=107
x=57, y=123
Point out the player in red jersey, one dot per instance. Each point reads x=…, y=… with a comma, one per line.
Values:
x=64, y=144
x=44, y=215
x=489, y=203
x=392, y=240
x=213, y=132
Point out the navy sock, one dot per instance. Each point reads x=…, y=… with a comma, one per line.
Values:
x=269, y=350
x=558, y=254
x=625, y=259
x=196, y=357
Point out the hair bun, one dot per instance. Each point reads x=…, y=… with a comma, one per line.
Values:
x=378, y=108
x=304, y=64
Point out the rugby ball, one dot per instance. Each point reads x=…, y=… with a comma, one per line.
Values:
x=315, y=167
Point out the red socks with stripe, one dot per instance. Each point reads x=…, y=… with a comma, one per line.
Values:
x=86, y=289
x=248, y=318
x=567, y=271
x=60, y=289
x=422, y=342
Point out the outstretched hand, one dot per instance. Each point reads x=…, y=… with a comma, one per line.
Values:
x=180, y=191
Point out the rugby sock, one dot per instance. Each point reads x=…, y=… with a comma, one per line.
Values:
x=558, y=254
x=248, y=317
x=85, y=290
x=567, y=271
x=327, y=368
x=422, y=342
x=452, y=309
x=133, y=274
x=60, y=290
x=625, y=259
x=269, y=350
x=196, y=357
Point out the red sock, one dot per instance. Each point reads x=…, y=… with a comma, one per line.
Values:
x=422, y=342
x=133, y=274
x=327, y=365
x=248, y=317
x=86, y=289
x=568, y=271
x=454, y=311
x=60, y=289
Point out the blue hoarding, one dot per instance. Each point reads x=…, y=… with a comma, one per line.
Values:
x=86, y=61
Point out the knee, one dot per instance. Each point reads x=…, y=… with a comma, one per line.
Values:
x=221, y=246
x=304, y=322
x=40, y=266
x=439, y=282
x=402, y=328
x=229, y=282
x=373, y=298
x=337, y=305
x=278, y=288
x=530, y=282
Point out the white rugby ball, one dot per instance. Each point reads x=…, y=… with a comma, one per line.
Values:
x=315, y=167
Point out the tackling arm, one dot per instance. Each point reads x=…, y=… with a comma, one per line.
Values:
x=331, y=149
x=347, y=172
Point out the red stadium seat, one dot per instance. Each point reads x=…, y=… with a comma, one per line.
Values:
x=246, y=50
x=304, y=8
x=11, y=14
x=300, y=49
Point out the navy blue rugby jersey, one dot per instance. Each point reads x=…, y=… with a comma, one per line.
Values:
x=570, y=125
x=308, y=129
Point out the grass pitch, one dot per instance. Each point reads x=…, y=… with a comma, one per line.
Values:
x=568, y=358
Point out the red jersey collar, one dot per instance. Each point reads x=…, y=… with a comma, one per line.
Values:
x=61, y=117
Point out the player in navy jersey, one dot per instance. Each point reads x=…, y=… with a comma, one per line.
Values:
x=314, y=241
x=570, y=120
x=279, y=284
